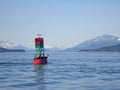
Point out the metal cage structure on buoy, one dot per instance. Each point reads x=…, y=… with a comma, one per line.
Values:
x=39, y=57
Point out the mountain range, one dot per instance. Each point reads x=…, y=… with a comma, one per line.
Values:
x=95, y=43
x=7, y=46
x=10, y=45
x=98, y=43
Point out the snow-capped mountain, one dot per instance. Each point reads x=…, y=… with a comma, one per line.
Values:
x=7, y=44
x=98, y=42
x=95, y=43
x=53, y=48
x=10, y=45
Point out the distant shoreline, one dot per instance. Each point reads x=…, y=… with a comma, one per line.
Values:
x=11, y=50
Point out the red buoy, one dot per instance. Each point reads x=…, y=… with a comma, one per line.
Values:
x=39, y=57
x=41, y=60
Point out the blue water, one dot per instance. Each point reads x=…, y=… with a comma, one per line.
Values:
x=64, y=71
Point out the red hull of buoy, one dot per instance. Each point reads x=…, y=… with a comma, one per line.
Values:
x=39, y=61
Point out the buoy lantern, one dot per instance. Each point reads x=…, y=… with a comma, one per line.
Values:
x=39, y=57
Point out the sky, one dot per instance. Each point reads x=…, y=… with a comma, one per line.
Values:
x=62, y=23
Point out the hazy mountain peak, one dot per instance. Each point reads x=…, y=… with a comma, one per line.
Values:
x=97, y=42
x=106, y=37
x=7, y=44
x=53, y=48
x=10, y=45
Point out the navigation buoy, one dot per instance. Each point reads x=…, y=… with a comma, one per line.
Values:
x=39, y=57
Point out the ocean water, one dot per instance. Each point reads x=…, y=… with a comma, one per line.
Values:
x=64, y=71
